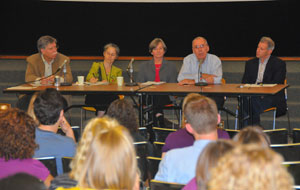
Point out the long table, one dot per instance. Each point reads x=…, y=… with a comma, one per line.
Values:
x=230, y=90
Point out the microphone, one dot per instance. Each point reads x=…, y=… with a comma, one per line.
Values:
x=130, y=71
x=65, y=83
x=201, y=82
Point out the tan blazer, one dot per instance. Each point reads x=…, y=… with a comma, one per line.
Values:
x=36, y=68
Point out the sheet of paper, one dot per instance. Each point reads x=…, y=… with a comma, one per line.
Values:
x=152, y=83
x=96, y=83
x=22, y=87
x=260, y=85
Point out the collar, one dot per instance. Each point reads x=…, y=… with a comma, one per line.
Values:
x=45, y=62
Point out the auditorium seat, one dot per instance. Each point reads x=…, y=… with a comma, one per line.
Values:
x=296, y=135
x=66, y=164
x=50, y=163
x=294, y=170
x=278, y=136
x=158, y=148
x=153, y=163
x=232, y=132
x=160, y=134
x=142, y=153
x=159, y=185
x=290, y=152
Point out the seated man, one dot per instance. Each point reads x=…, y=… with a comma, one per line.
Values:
x=179, y=165
x=265, y=69
x=48, y=109
x=201, y=61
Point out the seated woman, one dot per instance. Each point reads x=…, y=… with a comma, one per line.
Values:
x=182, y=138
x=125, y=114
x=106, y=72
x=250, y=167
x=158, y=69
x=17, y=145
x=207, y=160
x=105, y=158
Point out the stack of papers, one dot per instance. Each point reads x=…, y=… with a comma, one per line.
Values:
x=260, y=85
x=152, y=83
x=96, y=83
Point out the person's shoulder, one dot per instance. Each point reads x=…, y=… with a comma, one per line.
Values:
x=33, y=57
x=276, y=59
x=252, y=60
x=190, y=56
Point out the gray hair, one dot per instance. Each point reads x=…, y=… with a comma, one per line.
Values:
x=113, y=46
x=269, y=41
x=44, y=41
x=154, y=43
x=199, y=37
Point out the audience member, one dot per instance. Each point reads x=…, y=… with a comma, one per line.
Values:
x=105, y=157
x=17, y=145
x=179, y=165
x=253, y=134
x=250, y=167
x=207, y=160
x=22, y=181
x=106, y=72
x=48, y=109
x=265, y=69
x=182, y=138
x=124, y=113
x=210, y=65
x=158, y=69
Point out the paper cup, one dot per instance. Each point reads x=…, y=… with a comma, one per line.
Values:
x=120, y=81
x=80, y=80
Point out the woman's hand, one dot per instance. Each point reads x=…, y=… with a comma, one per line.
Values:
x=93, y=80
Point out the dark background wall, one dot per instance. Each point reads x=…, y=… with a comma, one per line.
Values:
x=232, y=29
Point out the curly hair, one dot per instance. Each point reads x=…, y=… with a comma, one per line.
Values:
x=17, y=135
x=250, y=167
x=124, y=112
x=105, y=157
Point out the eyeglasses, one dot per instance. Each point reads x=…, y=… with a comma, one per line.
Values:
x=199, y=46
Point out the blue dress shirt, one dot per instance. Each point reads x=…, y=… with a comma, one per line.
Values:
x=179, y=165
x=211, y=65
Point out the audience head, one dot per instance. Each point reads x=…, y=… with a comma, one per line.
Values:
x=190, y=97
x=123, y=111
x=105, y=157
x=17, y=135
x=202, y=115
x=250, y=167
x=200, y=47
x=253, y=134
x=265, y=47
x=48, y=106
x=46, y=45
x=157, y=44
x=22, y=181
x=209, y=158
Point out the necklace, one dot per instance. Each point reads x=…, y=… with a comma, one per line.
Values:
x=108, y=79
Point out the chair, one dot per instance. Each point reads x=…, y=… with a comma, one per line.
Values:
x=160, y=134
x=143, y=132
x=278, y=136
x=142, y=153
x=153, y=163
x=4, y=106
x=296, y=135
x=76, y=130
x=232, y=132
x=159, y=185
x=290, y=152
x=50, y=163
x=294, y=169
x=66, y=164
x=274, y=109
x=158, y=148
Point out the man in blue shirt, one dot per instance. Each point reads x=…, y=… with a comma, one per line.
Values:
x=48, y=109
x=201, y=61
x=179, y=165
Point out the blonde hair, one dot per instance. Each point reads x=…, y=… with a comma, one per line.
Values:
x=105, y=157
x=250, y=167
x=190, y=97
x=253, y=134
x=209, y=158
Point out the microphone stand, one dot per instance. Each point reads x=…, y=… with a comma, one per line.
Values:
x=201, y=81
x=65, y=83
x=130, y=73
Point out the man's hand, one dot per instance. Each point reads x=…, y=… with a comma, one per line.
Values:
x=66, y=128
x=208, y=77
x=93, y=80
x=48, y=80
x=186, y=81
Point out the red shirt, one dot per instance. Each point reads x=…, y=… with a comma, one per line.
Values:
x=157, y=68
